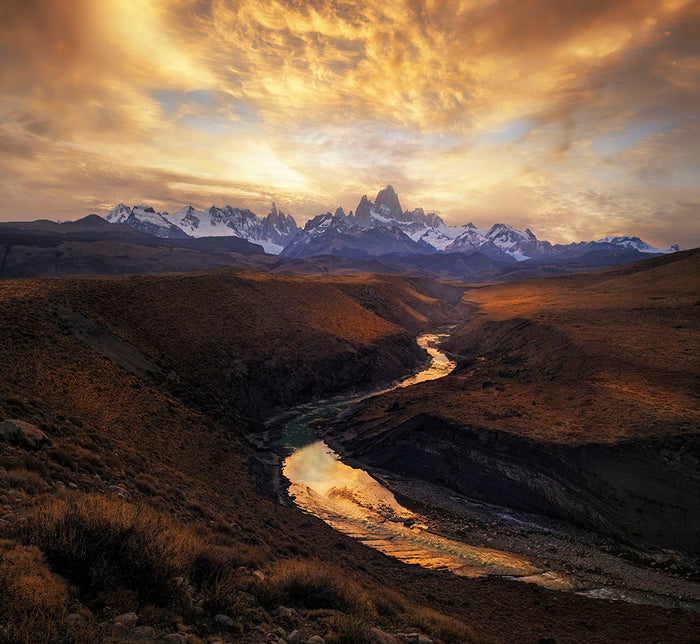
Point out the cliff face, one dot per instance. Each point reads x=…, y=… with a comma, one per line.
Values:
x=642, y=492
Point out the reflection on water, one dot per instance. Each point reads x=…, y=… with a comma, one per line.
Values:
x=353, y=502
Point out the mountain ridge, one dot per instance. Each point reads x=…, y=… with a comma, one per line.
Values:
x=378, y=227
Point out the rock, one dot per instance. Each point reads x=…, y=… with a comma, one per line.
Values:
x=224, y=621
x=118, y=490
x=143, y=632
x=315, y=639
x=182, y=628
x=294, y=637
x=280, y=632
x=174, y=638
x=26, y=435
x=247, y=598
x=119, y=631
x=128, y=620
x=380, y=637
x=283, y=611
x=74, y=618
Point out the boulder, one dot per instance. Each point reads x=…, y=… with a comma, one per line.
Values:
x=26, y=435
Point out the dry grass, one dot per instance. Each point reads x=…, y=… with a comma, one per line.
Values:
x=446, y=628
x=100, y=544
x=31, y=482
x=33, y=600
x=314, y=585
x=348, y=630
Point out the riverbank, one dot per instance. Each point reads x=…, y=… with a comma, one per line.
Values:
x=432, y=525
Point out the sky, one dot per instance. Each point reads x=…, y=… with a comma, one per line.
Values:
x=576, y=119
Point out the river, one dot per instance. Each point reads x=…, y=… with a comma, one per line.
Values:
x=362, y=506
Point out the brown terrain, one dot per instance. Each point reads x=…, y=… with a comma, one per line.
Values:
x=127, y=506
x=574, y=396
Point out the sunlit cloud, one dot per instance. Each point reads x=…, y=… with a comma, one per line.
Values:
x=575, y=119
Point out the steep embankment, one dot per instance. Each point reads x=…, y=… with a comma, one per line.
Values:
x=234, y=341
x=574, y=396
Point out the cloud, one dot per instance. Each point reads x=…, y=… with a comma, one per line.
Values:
x=541, y=112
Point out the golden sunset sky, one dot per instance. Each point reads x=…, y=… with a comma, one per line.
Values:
x=576, y=118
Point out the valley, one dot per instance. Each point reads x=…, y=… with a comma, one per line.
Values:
x=150, y=394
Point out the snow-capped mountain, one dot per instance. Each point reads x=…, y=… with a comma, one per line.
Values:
x=415, y=232
x=145, y=219
x=636, y=244
x=272, y=232
x=375, y=228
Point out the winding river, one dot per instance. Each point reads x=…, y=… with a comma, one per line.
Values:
x=361, y=506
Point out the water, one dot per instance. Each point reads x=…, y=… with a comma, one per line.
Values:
x=360, y=506
x=353, y=502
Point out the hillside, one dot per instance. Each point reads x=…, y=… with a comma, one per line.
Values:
x=590, y=379
x=139, y=496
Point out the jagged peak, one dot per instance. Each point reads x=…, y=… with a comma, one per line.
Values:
x=388, y=198
x=362, y=212
x=339, y=212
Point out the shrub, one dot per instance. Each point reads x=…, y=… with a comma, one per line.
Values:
x=24, y=479
x=446, y=628
x=348, y=630
x=313, y=585
x=100, y=543
x=32, y=598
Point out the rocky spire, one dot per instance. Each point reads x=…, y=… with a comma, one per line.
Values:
x=389, y=199
x=362, y=212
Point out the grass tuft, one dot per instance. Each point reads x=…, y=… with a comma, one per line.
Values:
x=314, y=585
x=99, y=543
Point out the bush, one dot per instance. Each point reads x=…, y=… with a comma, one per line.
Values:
x=100, y=543
x=446, y=628
x=313, y=585
x=348, y=630
x=32, y=598
x=31, y=482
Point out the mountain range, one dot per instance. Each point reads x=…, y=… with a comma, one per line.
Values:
x=375, y=229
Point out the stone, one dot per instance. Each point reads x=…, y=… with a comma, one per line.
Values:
x=224, y=621
x=380, y=637
x=127, y=620
x=26, y=435
x=280, y=632
x=119, y=631
x=294, y=637
x=143, y=632
x=174, y=638
x=315, y=639
x=282, y=611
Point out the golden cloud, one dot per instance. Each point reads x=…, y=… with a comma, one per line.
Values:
x=540, y=111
